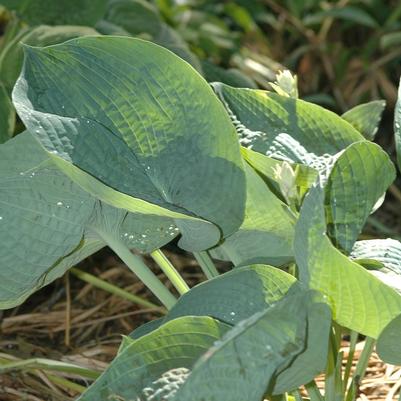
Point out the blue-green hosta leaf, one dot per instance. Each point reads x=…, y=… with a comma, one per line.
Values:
x=389, y=345
x=175, y=361
x=358, y=179
x=266, y=234
x=243, y=364
x=238, y=294
x=366, y=117
x=60, y=12
x=385, y=251
x=292, y=129
x=7, y=115
x=11, y=58
x=141, y=120
x=48, y=223
x=358, y=299
x=154, y=366
x=397, y=126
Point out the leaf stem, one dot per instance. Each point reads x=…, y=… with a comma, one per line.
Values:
x=348, y=366
x=110, y=288
x=137, y=266
x=206, y=264
x=360, y=368
x=313, y=391
x=170, y=271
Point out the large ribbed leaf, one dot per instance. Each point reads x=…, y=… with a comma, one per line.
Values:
x=154, y=366
x=389, y=344
x=266, y=235
x=142, y=121
x=358, y=179
x=366, y=117
x=387, y=252
x=60, y=12
x=397, y=126
x=49, y=223
x=263, y=117
x=240, y=365
x=358, y=299
x=11, y=57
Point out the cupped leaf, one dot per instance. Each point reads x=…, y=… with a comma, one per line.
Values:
x=261, y=119
x=11, y=58
x=155, y=365
x=177, y=359
x=49, y=223
x=388, y=345
x=366, y=117
x=358, y=299
x=242, y=365
x=60, y=12
x=266, y=235
x=385, y=251
x=238, y=294
x=359, y=178
x=7, y=115
x=141, y=120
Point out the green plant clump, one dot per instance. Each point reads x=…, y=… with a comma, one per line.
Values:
x=127, y=146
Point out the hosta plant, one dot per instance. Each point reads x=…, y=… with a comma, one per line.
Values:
x=127, y=146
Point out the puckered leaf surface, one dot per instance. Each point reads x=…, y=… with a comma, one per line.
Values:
x=385, y=251
x=142, y=121
x=263, y=117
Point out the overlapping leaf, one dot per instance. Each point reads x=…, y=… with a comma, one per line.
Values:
x=358, y=299
x=172, y=362
x=49, y=223
x=154, y=366
x=142, y=121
